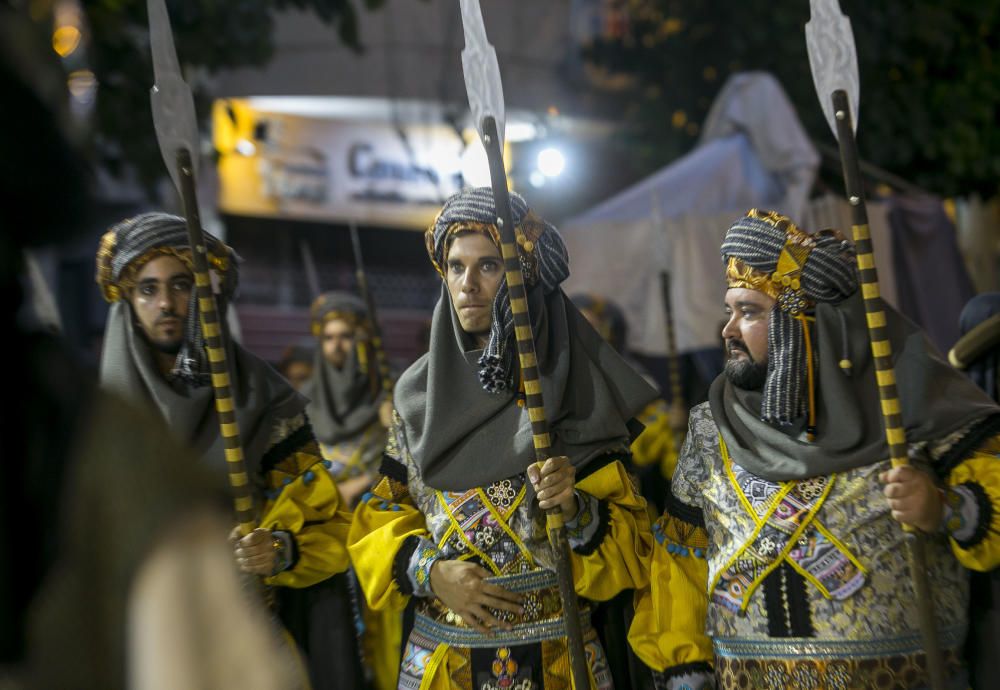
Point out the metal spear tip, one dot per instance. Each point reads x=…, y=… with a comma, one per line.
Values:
x=833, y=58
x=482, y=70
x=171, y=98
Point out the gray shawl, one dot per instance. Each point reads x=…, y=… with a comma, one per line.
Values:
x=262, y=395
x=461, y=436
x=936, y=401
x=341, y=403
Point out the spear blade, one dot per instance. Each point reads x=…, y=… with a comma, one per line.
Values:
x=481, y=70
x=171, y=97
x=833, y=57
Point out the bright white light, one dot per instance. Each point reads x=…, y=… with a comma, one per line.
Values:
x=551, y=162
x=537, y=179
x=475, y=166
x=245, y=147
x=520, y=131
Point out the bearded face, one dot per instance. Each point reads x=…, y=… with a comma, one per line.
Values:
x=748, y=313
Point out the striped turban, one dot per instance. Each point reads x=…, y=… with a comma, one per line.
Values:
x=544, y=262
x=765, y=251
x=134, y=242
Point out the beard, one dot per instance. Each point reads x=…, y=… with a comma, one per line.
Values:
x=748, y=373
x=167, y=347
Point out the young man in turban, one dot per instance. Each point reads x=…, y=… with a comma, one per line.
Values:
x=456, y=520
x=153, y=356
x=781, y=561
x=345, y=393
x=347, y=406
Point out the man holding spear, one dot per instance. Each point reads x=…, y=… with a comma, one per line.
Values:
x=456, y=518
x=154, y=356
x=345, y=393
x=781, y=562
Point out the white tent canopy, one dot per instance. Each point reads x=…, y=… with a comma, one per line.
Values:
x=754, y=153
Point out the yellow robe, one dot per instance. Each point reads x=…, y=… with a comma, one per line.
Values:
x=302, y=499
x=383, y=630
x=403, y=526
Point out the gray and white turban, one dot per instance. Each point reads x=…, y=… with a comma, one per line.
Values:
x=544, y=262
x=765, y=251
x=130, y=244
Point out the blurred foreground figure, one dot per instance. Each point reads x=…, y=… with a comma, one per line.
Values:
x=154, y=357
x=114, y=567
x=781, y=562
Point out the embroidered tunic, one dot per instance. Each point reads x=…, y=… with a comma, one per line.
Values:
x=805, y=583
x=404, y=526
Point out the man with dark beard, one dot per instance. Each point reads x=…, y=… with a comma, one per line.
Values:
x=781, y=563
x=154, y=357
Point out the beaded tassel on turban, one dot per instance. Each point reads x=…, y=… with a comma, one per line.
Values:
x=765, y=251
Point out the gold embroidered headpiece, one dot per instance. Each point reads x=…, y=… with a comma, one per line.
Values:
x=133, y=243
x=784, y=283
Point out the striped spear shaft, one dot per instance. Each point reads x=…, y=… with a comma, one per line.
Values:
x=833, y=60
x=215, y=349
x=534, y=402
x=885, y=374
x=177, y=135
x=381, y=359
x=673, y=364
x=485, y=91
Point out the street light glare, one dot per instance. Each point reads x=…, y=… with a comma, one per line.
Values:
x=551, y=162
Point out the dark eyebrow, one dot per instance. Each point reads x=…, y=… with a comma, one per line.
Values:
x=176, y=276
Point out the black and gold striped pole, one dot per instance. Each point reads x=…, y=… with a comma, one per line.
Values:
x=485, y=91
x=177, y=135
x=677, y=406
x=381, y=359
x=885, y=374
x=534, y=402
x=833, y=58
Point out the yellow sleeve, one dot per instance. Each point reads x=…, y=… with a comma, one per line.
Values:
x=386, y=524
x=668, y=631
x=655, y=445
x=302, y=500
x=972, y=508
x=610, y=535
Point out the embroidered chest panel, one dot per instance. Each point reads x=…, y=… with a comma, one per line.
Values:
x=483, y=525
x=836, y=532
